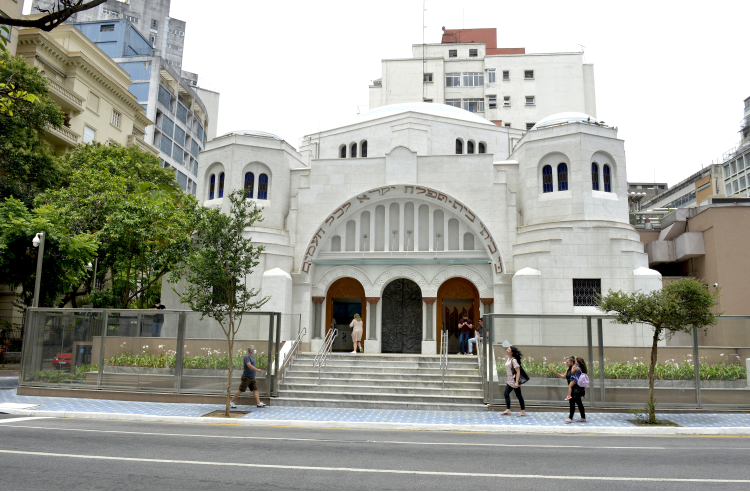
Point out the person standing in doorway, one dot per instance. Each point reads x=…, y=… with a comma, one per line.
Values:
x=478, y=336
x=356, y=326
x=248, y=378
x=464, y=333
x=513, y=372
x=158, y=319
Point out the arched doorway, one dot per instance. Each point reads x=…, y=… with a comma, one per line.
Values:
x=402, y=317
x=455, y=297
x=344, y=298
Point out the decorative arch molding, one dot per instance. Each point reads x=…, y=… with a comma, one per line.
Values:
x=482, y=284
x=335, y=273
x=401, y=272
x=386, y=193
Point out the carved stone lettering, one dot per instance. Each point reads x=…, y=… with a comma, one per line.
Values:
x=442, y=198
x=470, y=213
x=461, y=205
x=498, y=267
x=493, y=247
x=406, y=189
x=331, y=218
x=420, y=192
x=431, y=193
x=306, y=267
x=311, y=251
x=484, y=231
x=362, y=198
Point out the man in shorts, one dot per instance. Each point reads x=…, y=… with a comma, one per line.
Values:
x=248, y=378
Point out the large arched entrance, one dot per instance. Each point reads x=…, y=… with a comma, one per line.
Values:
x=455, y=297
x=402, y=317
x=345, y=297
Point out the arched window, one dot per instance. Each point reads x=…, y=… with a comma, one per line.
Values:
x=212, y=188
x=594, y=176
x=482, y=150
x=607, y=179
x=249, y=182
x=353, y=152
x=547, y=179
x=364, y=148
x=262, y=187
x=562, y=177
x=342, y=152
x=221, y=185
x=459, y=146
x=469, y=147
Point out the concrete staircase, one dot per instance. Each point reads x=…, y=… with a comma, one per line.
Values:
x=383, y=381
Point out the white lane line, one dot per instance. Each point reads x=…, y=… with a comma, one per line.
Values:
x=20, y=419
x=345, y=441
x=374, y=470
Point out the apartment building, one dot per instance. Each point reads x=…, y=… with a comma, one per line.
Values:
x=736, y=162
x=504, y=85
x=14, y=9
x=179, y=116
x=90, y=88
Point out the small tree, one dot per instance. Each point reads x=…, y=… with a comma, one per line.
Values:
x=681, y=306
x=216, y=267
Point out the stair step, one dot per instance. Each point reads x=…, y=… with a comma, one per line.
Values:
x=357, y=379
x=376, y=405
x=297, y=369
x=362, y=389
x=321, y=393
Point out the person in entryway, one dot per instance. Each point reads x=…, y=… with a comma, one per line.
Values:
x=478, y=335
x=513, y=372
x=464, y=329
x=356, y=326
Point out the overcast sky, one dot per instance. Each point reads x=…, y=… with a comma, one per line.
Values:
x=671, y=75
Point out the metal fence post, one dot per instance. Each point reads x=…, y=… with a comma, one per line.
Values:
x=277, y=348
x=271, y=331
x=589, y=338
x=105, y=320
x=490, y=358
x=27, y=351
x=697, y=367
x=179, y=357
x=599, y=333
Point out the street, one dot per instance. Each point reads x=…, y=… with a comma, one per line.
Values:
x=67, y=454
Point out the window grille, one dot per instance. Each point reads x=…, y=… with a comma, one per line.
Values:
x=364, y=148
x=482, y=149
x=459, y=146
x=353, y=152
x=562, y=177
x=506, y=101
x=586, y=291
x=607, y=179
x=594, y=176
x=262, y=187
x=473, y=52
x=154, y=24
x=456, y=103
x=212, y=188
x=221, y=185
x=491, y=76
x=452, y=53
x=249, y=181
x=506, y=75
x=529, y=100
x=107, y=28
x=547, y=179
x=469, y=147
x=528, y=74
x=492, y=101
x=453, y=80
x=116, y=118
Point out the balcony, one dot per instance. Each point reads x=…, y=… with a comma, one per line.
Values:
x=66, y=98
x=62, y=137
x=133, y=140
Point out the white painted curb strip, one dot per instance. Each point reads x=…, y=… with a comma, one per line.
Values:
x=525, y=429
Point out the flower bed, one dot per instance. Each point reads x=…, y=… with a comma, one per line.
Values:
x=637, y=369
x=209, y=359
x=63, y=376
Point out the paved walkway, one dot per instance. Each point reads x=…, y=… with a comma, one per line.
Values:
x=10, y=402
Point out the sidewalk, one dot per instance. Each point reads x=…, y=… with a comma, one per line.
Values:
x=542, y=422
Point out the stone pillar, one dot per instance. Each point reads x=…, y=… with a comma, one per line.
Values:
x=387, y=224
x=428, y=344
x=487, y=302
x=372, y=318
x=317, y=308
x=358, y=234
x=431, y=225
x=371, y=239
x=401, y=228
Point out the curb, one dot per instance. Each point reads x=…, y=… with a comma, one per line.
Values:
x=525, y=429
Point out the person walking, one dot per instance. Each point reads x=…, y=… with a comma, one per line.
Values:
x=356, y=326
x=515, y=376
x=158, y=319
x=478, y=335
x=572, y=375
x=248, y=378
x=464, y=333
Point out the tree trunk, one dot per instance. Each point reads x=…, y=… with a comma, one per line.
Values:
x=651, y=405
x=230, y=344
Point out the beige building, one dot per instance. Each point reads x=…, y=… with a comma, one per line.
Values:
x=90, y=88
x=14, y=9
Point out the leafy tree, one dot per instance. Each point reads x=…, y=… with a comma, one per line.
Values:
x=681, y=306
x=216, y=268
x=27, y=165
x=65, y=256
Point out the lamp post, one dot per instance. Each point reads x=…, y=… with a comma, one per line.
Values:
x=38, y=241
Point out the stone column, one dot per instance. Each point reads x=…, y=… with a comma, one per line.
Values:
x=401, y=228
x=372, y=318
x=358, y=234
x=429, y=303
x=317, y=308
x=431, y=215
x=487, y=301
x=371, y=239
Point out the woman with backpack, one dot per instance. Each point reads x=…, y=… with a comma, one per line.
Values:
x=580, y=380
x=516, y=376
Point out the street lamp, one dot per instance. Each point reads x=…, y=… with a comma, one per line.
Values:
x=38, y=242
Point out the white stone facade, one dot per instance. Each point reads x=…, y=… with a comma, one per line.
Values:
x=415, y=209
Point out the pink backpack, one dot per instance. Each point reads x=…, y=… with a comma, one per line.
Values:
x=583, y=380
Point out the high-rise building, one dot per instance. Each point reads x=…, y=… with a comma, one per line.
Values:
x=505, y=85
x=10, y=8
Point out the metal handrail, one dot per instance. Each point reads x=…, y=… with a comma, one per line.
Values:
x=322, y=355
x=289, y=359
x=444, y=354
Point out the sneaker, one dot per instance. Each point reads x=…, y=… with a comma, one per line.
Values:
x=568, y=398
x=261, y=405
x=232, y=405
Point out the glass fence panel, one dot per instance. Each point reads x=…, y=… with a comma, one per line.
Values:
x=724, y=355
x=59, y=349
x=139, y=350
x=545, y=343
x=627, y=356
x=206, y=353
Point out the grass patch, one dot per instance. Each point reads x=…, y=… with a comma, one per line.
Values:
x=657, y=423
x=233, y=414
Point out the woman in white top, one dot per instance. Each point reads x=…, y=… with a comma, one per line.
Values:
x=356, y=324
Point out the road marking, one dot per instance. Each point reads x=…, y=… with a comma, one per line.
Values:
x=345, y=441
x=20, y=419
x=374, y=470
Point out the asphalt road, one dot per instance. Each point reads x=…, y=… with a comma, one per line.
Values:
x=70, y=454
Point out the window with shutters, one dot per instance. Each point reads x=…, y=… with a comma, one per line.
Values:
x=547, y=179
x=491, y=76
x=506, y=101
x=506, y=74
x=562, y=177
x=492, y=101
x=473, y=52
x=106, y=28
x=263, y=187
x=89, y=134
x=586, y=291
x=116, y=118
